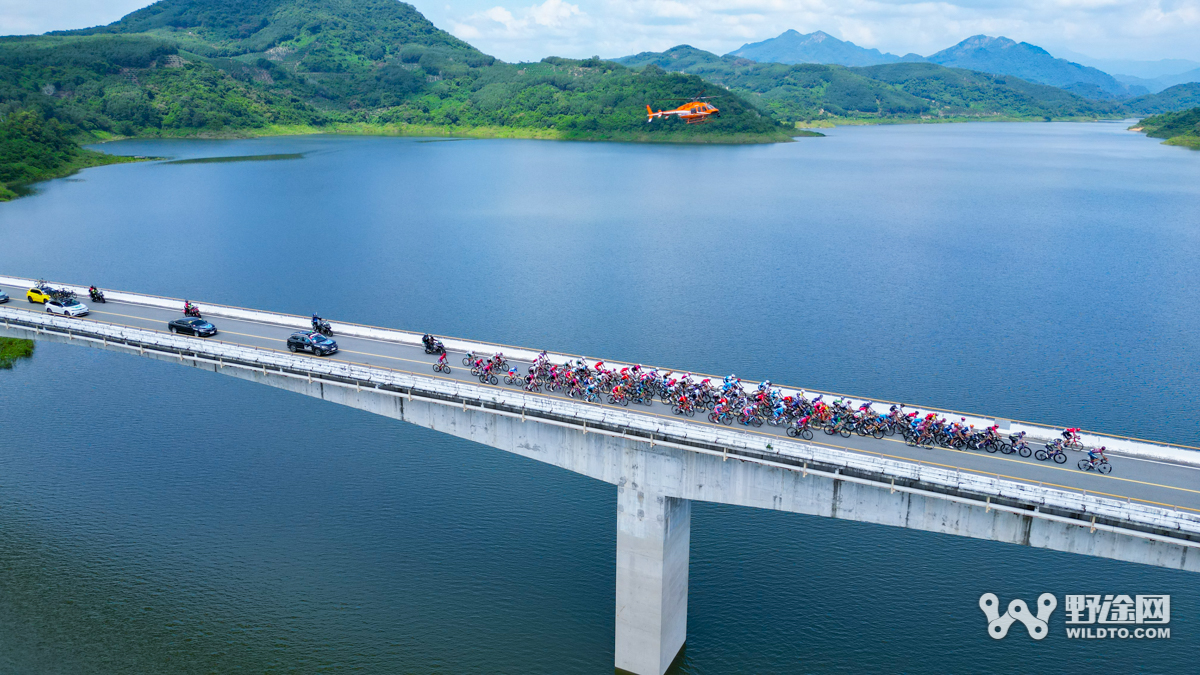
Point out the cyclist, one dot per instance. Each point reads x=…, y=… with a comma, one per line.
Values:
x=1095, y=454
x=442, y=359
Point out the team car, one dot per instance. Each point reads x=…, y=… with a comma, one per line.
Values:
x=192, y=326
x=36, y=295
x=311, y=341
x=65, y=307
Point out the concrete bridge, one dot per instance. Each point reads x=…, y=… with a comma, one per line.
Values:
x=1147, y=511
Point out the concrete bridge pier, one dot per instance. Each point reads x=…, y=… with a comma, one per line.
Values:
x=654, y=534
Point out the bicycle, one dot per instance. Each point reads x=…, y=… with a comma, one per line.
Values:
x=800, y=432
x=1053, y=452
x=441, y=368
x=1101, y=465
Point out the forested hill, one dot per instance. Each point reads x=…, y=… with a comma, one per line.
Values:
x=895, y=91
x=905, y=91
x=1179, y=128
x=221, y=67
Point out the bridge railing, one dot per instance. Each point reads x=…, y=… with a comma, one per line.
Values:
x=1117, y=445
x=1051, y=503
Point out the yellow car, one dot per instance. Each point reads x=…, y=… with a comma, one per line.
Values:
x=37, y=295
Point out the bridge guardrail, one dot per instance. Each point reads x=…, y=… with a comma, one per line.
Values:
x=784, y=453
x=1117, y=445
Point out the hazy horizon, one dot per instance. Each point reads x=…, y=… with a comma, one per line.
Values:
x=1113, y=31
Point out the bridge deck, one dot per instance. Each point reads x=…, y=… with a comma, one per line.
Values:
x=1137, y=479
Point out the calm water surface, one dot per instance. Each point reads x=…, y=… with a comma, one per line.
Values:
x=159, y=519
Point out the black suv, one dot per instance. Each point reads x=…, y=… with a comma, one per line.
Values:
x=310, y=341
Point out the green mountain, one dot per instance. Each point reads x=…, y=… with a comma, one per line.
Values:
x=819, y=47
x=222, y=67
x=1179, y=128
x=1003, y=56
x=890, y=92
x=1173, y=99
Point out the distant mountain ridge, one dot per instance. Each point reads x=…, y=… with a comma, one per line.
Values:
x=811, y=92
x=1157, y=84
x=1003, y=56
x=982, y=53
x=817, y=47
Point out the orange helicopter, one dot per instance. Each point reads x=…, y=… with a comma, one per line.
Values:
x=696, y=111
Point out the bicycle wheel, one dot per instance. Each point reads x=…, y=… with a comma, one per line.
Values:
x=1104, y=468
x=1060, y=457
x=676, y=410
x=844, y=432
x=806, y=434
x=793, y=432
x=1082, y=464
x=1024, y=451
x=990, y=447
x=829, y=429
x=877, y=433
x=1041, y=455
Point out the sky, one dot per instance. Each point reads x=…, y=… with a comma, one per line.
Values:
x=527, y=30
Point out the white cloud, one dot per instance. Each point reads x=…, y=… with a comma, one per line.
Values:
x=1140, y=29
x=1148, y=29
x=552, y=22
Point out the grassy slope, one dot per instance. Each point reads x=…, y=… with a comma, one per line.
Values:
x=12, y=349
x=1179, y=128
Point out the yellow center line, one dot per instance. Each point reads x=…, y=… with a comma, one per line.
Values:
x=749, y=431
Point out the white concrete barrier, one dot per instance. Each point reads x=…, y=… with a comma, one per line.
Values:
x=680, y=432
x=1116, y=444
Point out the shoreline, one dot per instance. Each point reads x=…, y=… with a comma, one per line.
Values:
x=85, y=160
x=449, y=131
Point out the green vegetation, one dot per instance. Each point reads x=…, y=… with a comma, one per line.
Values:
x=12, y=349
x=33, y=149
x=1171, y=99
x=182, y=68
x=254, y=65
x=813, y=93
x=186, y=68
x=1179, y=128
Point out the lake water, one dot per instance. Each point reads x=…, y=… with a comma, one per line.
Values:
x=178, y=521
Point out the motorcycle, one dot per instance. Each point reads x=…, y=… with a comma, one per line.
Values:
x=191, y=310
x=433, y=345
x=96, y=294
x=322, y=326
